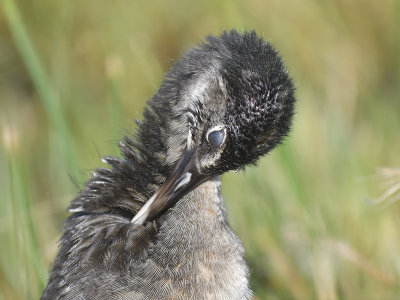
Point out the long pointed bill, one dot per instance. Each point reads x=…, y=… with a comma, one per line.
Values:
x=185, y=177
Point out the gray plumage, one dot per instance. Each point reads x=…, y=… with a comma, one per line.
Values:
x=154, y=226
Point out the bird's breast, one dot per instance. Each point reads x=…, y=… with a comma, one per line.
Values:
x=196, y=254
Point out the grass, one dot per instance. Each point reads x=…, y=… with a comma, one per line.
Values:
x=318, y=216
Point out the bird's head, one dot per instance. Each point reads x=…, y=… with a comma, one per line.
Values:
x=233, y=102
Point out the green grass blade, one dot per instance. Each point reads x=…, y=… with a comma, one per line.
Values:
x=43, y=87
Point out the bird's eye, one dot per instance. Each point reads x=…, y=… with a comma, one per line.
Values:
x=216, y=137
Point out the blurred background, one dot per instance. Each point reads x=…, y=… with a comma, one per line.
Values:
x=319, y=217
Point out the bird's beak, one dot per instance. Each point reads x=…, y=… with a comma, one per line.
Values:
x=185, y=177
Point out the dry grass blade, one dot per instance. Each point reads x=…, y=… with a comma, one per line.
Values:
x=391, y=179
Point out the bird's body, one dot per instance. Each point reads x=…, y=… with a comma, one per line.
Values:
x=194, y=254
x=154, y=226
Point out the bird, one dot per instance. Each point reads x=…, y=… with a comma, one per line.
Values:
x=153, y=225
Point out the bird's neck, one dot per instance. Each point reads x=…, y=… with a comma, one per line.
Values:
x=201, y=210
